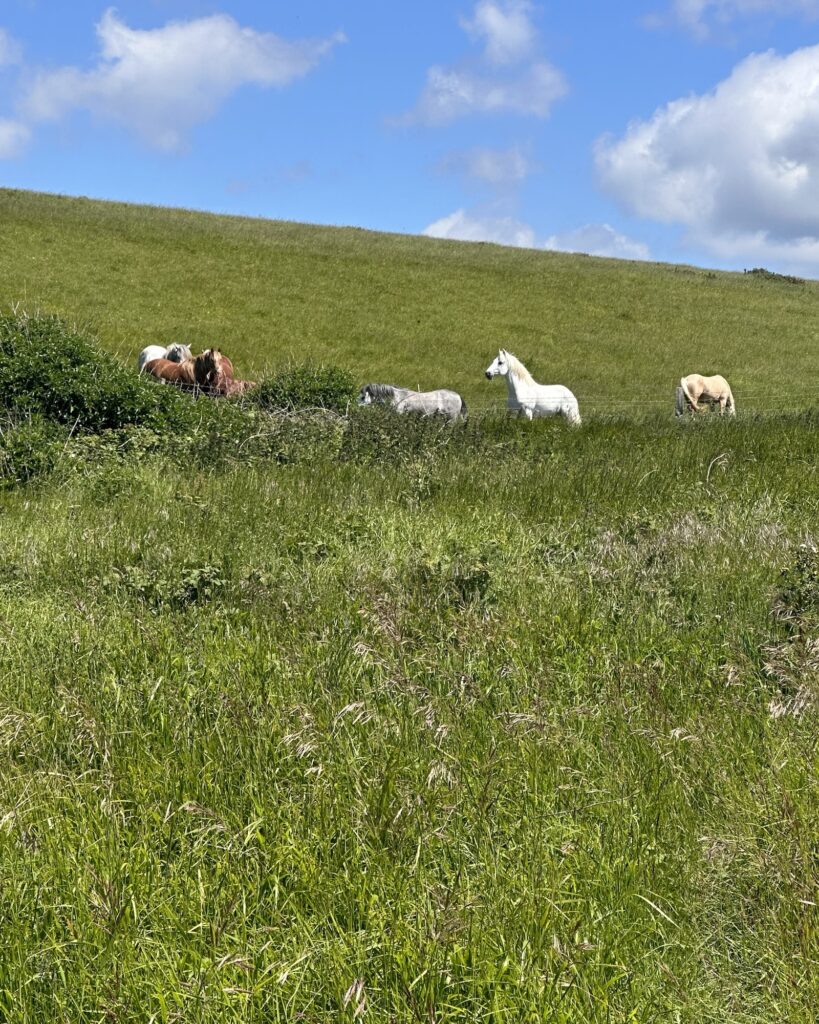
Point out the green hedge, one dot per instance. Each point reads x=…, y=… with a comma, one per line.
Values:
x=47, y=368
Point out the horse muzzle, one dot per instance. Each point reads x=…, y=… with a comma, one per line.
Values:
x=488, y=375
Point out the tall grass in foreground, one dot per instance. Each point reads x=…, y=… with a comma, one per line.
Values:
x=517, y=730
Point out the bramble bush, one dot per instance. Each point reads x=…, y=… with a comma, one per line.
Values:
x=49, y=369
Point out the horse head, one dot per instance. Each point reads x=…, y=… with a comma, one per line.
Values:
x=178, y=353
x=376, y=393
x=206, y=367
x=499, y=365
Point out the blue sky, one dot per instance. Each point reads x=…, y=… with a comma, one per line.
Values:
x=676, y=130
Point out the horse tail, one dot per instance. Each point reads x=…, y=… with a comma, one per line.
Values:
x=686, y=392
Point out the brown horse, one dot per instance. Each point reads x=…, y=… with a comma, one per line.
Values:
x=182, y=374
x=214, y=374
x=714, y=390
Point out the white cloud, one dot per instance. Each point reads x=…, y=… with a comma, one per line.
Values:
x=487, y=226
x=162, y=82
x=510, y=35
x=496, y=167
x=451, y=93
x=738, y=167
x=699, y=15
x=468, y=227
x=507, y=77
x=14, y=138
x=10, y=50
x=598, y=240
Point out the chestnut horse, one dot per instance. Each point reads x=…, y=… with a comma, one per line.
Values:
x=713, y=390
x=183, y=374
x=214, y=374
x=176, y=353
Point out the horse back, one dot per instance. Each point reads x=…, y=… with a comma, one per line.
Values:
x=149, y=353
x=166, y=369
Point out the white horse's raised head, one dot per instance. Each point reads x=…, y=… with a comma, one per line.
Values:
x=178, y=353
x=499, y=365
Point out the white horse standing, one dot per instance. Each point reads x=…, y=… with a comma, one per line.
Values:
x=429, y=403
x=714, y=390
x=175, y=353
x=528, y=397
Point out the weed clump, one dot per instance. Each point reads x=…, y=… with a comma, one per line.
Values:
x=173, y=587
x=797, y=600
x=770, y=275
x=29, y=447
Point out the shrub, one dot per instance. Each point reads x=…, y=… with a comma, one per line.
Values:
x=380, y=434
x=48, y=369
x=301, y=387
x=770, y=275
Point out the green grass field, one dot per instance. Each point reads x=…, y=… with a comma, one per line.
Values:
x=412, y=311
x=499, y=722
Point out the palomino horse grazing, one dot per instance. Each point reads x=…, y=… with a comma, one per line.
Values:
x=714, y=390
x=428, y=403
x=528, y=397
x=175, y=353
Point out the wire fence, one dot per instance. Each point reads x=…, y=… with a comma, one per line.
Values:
x=800, y=398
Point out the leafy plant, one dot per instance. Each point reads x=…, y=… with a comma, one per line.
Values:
x=50, y=369
x=169, y=585
x=300, y=387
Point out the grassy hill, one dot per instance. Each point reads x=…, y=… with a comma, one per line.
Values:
x=365, y=718
x=412, y=311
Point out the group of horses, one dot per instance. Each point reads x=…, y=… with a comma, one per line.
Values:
x=209, y=373
x=529, y=399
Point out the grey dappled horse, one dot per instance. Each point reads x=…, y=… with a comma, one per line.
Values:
x=428, y=403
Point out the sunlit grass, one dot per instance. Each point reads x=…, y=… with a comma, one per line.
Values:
x=368, y=718
x=411, y=311
x=468, y=736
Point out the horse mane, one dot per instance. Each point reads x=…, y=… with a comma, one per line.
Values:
x=381, y=391
x=207, y=366
x=213, y=371
x=517, y=369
